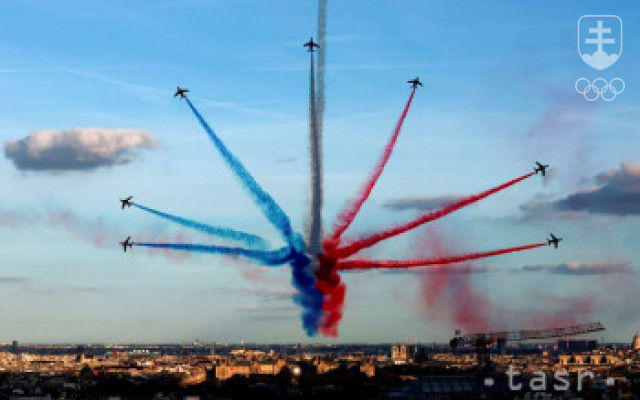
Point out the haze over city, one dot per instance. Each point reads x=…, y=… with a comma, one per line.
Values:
x=89, y=118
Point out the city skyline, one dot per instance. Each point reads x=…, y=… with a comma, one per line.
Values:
x=498, y=96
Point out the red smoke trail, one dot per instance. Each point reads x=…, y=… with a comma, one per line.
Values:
x=453, y=295
x=372, y=239
x=348, y=214
x=396, y=264
x=450, y=294
x=446, y=292
x=333, y=291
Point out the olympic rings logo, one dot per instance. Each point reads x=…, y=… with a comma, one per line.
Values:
x=600, y=88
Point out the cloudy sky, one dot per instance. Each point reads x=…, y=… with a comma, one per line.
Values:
x=88, y=118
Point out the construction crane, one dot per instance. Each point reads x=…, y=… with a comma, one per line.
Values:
x=483, y=341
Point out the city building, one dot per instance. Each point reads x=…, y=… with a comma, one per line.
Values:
x=399, y=354
x=577, y=345
x=636, y=342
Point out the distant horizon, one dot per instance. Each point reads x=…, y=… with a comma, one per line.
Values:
x=89, y=118
x=304, y=344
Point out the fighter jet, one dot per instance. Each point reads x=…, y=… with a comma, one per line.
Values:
x=415, y=82
x=126, y=202
x=180, y=92
x=127, y=242
x=553, y=241
x=540, y=168
x=311, y=44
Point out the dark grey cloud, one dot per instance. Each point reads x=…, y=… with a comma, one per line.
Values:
x=77, y=149
x=421, y=203
x=581, y=268
x=615, y=192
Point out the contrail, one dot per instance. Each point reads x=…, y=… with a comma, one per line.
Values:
x=269, y=258
x=429, y=262
x=311, y=297
x=322, y=51
x=226, y=233
x=315, y=225
x=368, y=241
x=348, y=214
x=267, y=204
x=302, y=278
x=316, y=116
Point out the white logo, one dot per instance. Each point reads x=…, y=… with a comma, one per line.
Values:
x=599, y=88
x=600, y=40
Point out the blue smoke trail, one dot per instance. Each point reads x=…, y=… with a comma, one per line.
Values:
x=308, y=297
x=302, y=278
x=269, y=207
x=302, y=275
x=227, y=233
x=269, y=258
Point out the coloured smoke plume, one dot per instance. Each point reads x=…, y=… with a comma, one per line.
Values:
x=225, y=233
x=263, y=257
x=322, y=54
x=327, y=278
x=314, y=229
x=94, y=231
x=432, y=261
x=445, y=286
x=349, y=212
x=332, y=261
x=155, y=237
x=329, y=284
x=316, y=116
x=293, y=253
x=444, y=290
x=370, y=240
x=104, y=236
x=271, y=210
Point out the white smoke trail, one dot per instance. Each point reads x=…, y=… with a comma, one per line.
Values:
x=315, y=224
x=322, y=42
x=316, y=112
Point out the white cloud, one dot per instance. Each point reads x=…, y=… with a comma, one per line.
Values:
x=77, y=148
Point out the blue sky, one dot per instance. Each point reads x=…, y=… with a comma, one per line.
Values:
x=499, y=94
